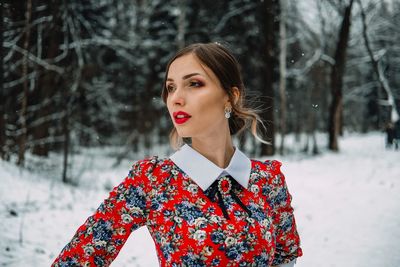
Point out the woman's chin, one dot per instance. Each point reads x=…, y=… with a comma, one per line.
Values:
x=184, y=135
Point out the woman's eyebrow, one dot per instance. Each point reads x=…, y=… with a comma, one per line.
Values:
x=187, y=76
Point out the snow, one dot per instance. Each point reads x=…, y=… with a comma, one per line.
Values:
x=346, y=205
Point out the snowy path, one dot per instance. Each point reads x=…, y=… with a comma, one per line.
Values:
x=348, y=205
x=347, y=208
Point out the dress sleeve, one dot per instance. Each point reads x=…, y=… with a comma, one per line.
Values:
x=98, y=241
x=287, y=237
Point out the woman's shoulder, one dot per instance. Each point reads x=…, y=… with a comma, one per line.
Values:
x=271, y=165
x=148, y=164
x=150, y=161
x=269, y=171
x=148, y=172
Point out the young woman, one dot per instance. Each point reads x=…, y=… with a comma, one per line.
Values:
x=207, y=204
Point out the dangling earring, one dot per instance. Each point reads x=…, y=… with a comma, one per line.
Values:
x=228, y=113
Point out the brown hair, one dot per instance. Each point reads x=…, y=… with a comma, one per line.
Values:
x=227, y=69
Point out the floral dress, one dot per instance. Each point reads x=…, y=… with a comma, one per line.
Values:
x=187, y=227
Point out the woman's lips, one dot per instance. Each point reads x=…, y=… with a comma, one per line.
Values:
x=181, y=120
x=181, y=117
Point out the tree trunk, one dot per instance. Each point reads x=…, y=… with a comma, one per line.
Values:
x=319, y=81
x=384, y=85
x=24, y=102
x=65, y=131
x=47, y=84
x=2, y=94
x=335, y=115
x=181, y=24
x=270, y=10
x=282, y=74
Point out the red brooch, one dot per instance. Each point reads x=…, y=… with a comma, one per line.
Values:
x=224, y=185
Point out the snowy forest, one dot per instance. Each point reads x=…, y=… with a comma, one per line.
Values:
x=81, y=83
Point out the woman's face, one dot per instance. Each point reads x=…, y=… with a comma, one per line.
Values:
x=195, y=90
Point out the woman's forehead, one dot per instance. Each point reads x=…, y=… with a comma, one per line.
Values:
x=187, y=65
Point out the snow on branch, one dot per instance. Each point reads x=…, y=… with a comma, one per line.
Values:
x=231, y=14
x=307, y=65
x=117, y=43
x=19, y=81
x=34, y=58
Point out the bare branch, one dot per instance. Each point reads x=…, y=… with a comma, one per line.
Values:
x=34, y=58
x=231, y=14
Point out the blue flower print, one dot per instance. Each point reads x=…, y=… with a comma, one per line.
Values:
x=135, y=197
x=217, y=237
x=99, y=261
x=188, y=211
x=102, y=231
x=192, y=261
x=257, y=213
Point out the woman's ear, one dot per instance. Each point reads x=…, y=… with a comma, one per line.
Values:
x=236, y=94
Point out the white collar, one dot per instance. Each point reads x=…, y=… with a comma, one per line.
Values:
x=204, y=172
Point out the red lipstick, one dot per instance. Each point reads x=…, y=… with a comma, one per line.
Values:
x=181, y=117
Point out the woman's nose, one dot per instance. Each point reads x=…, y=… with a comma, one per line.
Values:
x=178, y=97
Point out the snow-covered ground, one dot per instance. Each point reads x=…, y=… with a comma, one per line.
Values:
x=347, y=207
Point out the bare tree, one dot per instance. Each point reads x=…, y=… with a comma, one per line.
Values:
x=2, y=95
x=282, y=73
x=181, y=24
x=338, y=69
x=383, y=82
x=271, y=9
x=24, y=101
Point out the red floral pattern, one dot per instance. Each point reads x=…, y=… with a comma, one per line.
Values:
x=187, y=228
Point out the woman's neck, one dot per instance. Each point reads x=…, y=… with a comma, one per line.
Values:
x=219, y=154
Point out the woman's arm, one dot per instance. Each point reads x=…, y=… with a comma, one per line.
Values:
x=98, y=241
x=287, y=237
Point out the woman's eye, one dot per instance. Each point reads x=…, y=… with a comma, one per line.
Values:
x=196, y=84
x=170, y=87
